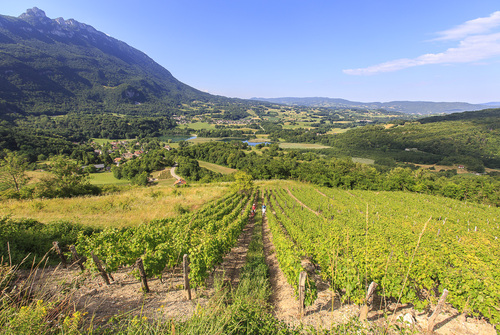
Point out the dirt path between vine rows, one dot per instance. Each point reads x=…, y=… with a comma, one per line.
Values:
x=235, y=260
x=286, y=306
x=301, y=203
x=282, y=297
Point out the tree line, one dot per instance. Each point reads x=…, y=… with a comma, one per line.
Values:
x=275, y=163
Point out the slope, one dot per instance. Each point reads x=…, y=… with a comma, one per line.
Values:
x=56, y=66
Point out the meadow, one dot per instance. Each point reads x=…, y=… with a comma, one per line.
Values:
x=129, y=207
x=106, y=178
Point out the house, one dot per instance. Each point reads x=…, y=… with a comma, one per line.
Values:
x=168, y=147
x=117, y=160
x=128, y=155
x=180, y=182
x=461, y=167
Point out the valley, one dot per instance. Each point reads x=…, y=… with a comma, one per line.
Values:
x=112, y=172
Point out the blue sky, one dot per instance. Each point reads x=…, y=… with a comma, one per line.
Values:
x=385, y=50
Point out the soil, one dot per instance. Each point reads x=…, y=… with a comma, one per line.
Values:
x=235, y=260
x=124, y=296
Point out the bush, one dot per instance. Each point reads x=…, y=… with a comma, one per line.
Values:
x=9, y=194
x=141, y=179
x=179, y=209
x=22, y=237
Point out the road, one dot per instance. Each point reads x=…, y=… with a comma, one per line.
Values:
x=172, y=172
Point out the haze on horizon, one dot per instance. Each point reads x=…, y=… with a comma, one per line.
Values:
x=362, y=50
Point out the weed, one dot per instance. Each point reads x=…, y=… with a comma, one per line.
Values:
x=180, y=209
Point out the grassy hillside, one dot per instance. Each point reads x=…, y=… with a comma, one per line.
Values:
x=126, y=208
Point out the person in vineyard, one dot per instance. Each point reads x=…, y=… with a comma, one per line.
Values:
x=253, y=209
x=263, y=209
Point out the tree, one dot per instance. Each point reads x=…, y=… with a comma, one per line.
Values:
x=13, y=170
x=68, y=179
x=183, y=144
x=243, y=182
x=140, y=179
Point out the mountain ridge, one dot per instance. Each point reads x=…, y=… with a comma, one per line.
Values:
x=409, y=107
x=56, y=66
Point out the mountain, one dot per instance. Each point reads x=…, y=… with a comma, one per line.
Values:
x=57, y=66
x=408, y=107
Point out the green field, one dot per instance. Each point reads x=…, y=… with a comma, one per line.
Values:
x=363, y=160
x=106, y=178
x=216, y=168
x=300, y=124
x=102, y=141
x=197, y=125
x=337, y=130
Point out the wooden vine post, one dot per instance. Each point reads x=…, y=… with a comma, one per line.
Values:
x=59, y=252
x=363, y=313
x=432, y=320
x=302, y=292
x=185, y=267
x=77, y=258
x=100, y=268
x=144, y=279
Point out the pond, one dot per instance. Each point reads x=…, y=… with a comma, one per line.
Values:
x=253, y=144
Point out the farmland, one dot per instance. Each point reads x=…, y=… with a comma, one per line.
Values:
x=412, y=245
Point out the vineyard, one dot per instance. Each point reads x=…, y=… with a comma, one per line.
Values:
x=206, y=235
x=413, y=246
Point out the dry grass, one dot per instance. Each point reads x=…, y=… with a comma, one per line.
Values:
x=447, y=167
x=36, y=176
x=302, y=146
x=127, y=208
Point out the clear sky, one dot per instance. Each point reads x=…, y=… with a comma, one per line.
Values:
x=362, y=50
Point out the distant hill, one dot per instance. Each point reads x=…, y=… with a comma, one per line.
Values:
x=408, y=107
x=56, y=66
x=487, y=116
x=469, y=138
